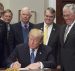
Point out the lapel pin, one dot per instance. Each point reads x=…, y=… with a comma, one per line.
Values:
x=40, y=53
x=53, y=29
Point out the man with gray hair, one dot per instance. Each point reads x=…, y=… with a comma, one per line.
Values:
x=67, y=39
x=50, y=29
x=20, y=30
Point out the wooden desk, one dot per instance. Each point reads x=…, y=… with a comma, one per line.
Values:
x=37, y=70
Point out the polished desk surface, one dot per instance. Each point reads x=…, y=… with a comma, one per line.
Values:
x=45, y=69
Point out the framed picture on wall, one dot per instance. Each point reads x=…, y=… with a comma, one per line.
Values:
x=32, y=19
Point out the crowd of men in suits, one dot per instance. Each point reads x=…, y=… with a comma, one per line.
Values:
x=53, y=43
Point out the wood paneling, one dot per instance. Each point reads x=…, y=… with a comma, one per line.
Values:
x=59, y=7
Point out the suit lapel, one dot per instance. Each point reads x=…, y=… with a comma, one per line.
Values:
x=27, y=54
x=39, y=55
x=42, y=26
x=70, y=33
x=30, y=26
x=20, y=33
x=62, y=34
x=52, y=34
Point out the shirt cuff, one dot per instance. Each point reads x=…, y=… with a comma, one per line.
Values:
x=42, y=66
x=11, y=65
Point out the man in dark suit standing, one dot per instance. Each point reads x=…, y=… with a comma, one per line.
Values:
x=67, y=39
x=22, y=56
x=52, y=30
x=3, y=40
x=21, y=29
x=7, y=16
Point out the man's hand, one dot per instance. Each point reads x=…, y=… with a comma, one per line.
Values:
x=36, y=65
x=16, y=65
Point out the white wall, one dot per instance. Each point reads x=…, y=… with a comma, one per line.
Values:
x=35, y=5
x=5, y=3
x=52, y=3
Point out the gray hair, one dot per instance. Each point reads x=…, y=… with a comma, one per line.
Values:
x=70, y=6
x=7, y=11
x=50, y=9
x=26, y=9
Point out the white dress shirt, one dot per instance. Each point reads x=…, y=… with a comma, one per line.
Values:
x=35, y=52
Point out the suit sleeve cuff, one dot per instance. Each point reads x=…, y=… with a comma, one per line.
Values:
x=41, y=65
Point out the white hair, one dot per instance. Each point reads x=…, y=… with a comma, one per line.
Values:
x=26, y=9
x=70, y=6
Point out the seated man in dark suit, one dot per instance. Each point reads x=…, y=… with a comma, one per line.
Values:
x=32, y=55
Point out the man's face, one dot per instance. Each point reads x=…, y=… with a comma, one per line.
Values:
x=7, y=17
x=34, y=41
x=49, y=17
x=25, y=16
x=69, y=16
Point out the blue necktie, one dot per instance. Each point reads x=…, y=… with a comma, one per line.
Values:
x=32, y=56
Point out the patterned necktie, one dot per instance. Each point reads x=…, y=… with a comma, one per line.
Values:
x=26, y=26
x=8, y=30
x=66, y=32
x=45, y=34
x=32, y=56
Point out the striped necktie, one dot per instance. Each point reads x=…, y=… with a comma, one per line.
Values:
x=66, y=32
x=26, y=26
x=32, y=56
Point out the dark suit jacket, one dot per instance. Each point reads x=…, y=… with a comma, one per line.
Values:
x=16, y=35
x=53, y=39
x=3, y=42
x=67, y=49
x=22, y=54
x=8, y=40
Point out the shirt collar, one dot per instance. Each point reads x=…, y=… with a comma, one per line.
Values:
x=34, y=49
x=72, y=24
x=49, y=25
x=23, y=24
